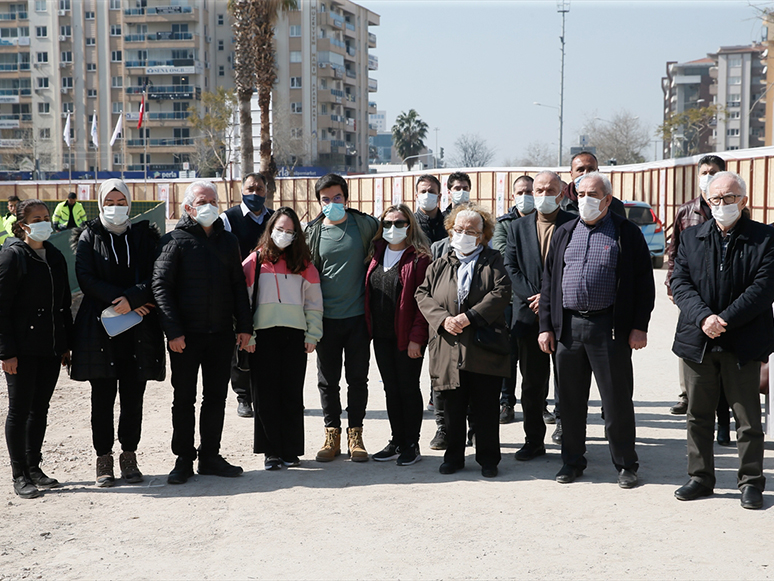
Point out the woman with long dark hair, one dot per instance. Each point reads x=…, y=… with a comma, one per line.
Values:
x=35, y=323
x=288, y=309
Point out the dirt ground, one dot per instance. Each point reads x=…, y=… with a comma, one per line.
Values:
x=344, y=520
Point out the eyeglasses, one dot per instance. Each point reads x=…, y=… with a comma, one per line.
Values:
x=396, y=223
x=291, y=232
x=473, y=233
x=727, y=199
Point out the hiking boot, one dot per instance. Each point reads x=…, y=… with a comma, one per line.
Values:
x=332, y=446
x=105, y=476
x=390, y=452
x=218, y=466
x=40, y=480
x=24, y=488
x=182, y=471
x=357, y=451
x=439, y=440
x=127, y=461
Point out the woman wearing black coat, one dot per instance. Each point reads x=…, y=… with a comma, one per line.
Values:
x=35, y=323
x=114, y=263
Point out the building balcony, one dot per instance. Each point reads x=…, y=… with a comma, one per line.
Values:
x=332, y=45
x=330, y=19
x=168, y=92
x=158, y=39
x=156, y=167
x=373, y=63
x=373, y=85
x=371, y=40
x=162, y=14
x=349, y=29
x=325, y=70
x=351, y=74
x=12, y=144
x=372, y=106
x=181, y=141
x=164, y=63
x=159, y=116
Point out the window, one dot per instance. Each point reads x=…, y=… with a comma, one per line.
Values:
x=42, y=82
x=65, y=30
x=295, y=30
x=67, y=107
x=221, y=71
x=734, y=80
x=118, y=107
x=220, y=20
x=91, y=67
x=44, y=108
x=44, y=133
x=91, y=93
x=67, y=82
x=115, y=4
x=66, y=56
x=118, y=158
x=42, y=57
x=735, y=102
x=296, y=133
x=115, y=30
x=40, y=6
x=117, y=82
x=115, y=56
x=295, y=107
x=41, y=31
x=64, y=5
x=323, y=109
x=88, y=15
x=90, y=41
x=734, y=114
x=735, y=61
x=220, y=45
x=295, y=82
x=295, y=56
x=732, y=132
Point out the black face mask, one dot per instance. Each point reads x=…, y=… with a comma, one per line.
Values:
x=254, y=202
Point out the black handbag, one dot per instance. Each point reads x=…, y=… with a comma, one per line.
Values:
x=494, y=338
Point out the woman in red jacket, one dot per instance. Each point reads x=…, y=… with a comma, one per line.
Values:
x=399, y=259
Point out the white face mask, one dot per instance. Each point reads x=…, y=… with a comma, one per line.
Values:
x=524, y=203
x=282, y=239
x=395, y=235
x=206, y=214
x=39, y=231
x=427, y=201
x=704, y=182
x=588, y=208
x=546, y=204
x=726, y=215
x=460, y=196
x=463, y=243
x=115, y=215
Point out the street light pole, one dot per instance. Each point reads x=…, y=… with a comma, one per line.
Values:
x=563, y=7
x=435, y=157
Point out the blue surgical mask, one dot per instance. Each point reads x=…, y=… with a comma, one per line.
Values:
x=524, y=203
x=578, y=180
x=254, y=202
x=334, y=212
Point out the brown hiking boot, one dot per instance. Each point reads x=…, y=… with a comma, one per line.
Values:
x=105, y=476
x=129, y=470
x=357, y=451
x=332, y=446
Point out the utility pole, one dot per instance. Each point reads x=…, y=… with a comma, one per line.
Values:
x=563, y=7
x=435, y=157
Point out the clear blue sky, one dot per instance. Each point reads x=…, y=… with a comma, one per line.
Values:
x=477, y=66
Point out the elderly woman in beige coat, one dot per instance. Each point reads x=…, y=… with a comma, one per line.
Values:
x=463, y=298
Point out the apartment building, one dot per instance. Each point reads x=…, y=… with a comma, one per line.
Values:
x=95, y=57
x=686, y=86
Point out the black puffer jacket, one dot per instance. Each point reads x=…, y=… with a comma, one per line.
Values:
x=94, y=353
x=198, y=281
x=35, y=316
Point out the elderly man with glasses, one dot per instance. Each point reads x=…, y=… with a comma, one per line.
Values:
x=723, y=283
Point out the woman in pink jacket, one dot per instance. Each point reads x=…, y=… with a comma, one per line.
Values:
x=287, y=317
x=398, y=263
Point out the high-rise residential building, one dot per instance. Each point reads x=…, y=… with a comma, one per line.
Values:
x=379, y=119
x=686, y=86
x=95, y=57
x=321, y=102
x=740, y=87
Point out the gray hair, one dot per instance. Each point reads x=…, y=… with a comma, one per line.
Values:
x=729, y=174
x=606, y=185
x=189, y=195
x=470, y=215
x=547, y=172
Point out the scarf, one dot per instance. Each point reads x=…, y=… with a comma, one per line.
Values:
x=465, y=273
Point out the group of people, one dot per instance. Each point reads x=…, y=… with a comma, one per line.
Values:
x=562, y=281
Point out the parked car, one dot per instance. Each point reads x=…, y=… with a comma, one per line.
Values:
x=643, y=215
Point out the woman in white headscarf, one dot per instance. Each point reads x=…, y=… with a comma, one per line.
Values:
x=114, y=262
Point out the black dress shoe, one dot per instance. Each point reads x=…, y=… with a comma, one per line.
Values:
x=24, y=488
x=680, y=408
x=217, y=466
x=568, y=474
x=627, y=478
x=182, y=471
x=450, y=467
x=724, y=435
x=752, y=497
x=489, y=471
x=245, y=410
x=557, y=435
x=692, y=490
x=529, y=451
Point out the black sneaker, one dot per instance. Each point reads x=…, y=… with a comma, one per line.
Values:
x=40, y=480
x=291, y=462
x=182, y=471
x=271, y=463
x=439, y=440
x=24, y=488
x=410, y=455
x=217, y=466
x=390, y=452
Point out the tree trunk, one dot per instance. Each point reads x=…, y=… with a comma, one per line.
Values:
x=246, y=132
x=268, y=167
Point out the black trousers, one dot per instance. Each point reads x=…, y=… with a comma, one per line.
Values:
x=131, y=390
x=350, y=338
x=587, y=346
x=29, y=394
x=720, y=371
x=278, y=368
x=535, y=373
x=240, y=380
x=212, y=352
x=481, y=393
x=508, y=389
x=400, y=376
x=723, y=411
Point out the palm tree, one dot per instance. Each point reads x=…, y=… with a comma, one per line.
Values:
x=255, y=67
x=408, y=134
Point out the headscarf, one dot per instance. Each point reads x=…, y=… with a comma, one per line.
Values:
x=107, y=187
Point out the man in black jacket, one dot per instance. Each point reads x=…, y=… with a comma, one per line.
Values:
x=247, y=221
x=581, y=164
x=199, y=287
x=595, y=304
x=528, y=241
x=723, y=282
x=428, y=215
